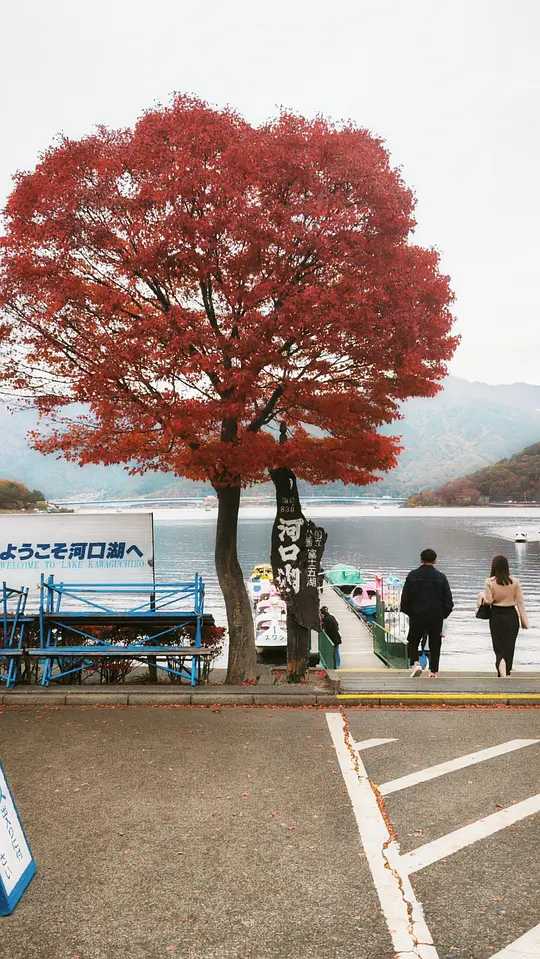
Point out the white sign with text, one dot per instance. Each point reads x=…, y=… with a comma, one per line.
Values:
x=76, y=547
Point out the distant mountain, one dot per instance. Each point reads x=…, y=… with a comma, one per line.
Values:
x=59, y=479
x=516, y=479
x=464, y=428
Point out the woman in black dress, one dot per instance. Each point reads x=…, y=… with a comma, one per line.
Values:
x=504, y=594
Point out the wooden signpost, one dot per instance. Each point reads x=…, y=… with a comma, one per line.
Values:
x=17, y=866
x=297, y=548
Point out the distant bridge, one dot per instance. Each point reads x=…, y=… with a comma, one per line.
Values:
x=246, y=500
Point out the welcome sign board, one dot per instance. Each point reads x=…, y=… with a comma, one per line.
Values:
x=76, y=547
x=17, y=867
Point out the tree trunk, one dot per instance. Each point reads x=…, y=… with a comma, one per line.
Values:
x=242, y=663
x=298, y=649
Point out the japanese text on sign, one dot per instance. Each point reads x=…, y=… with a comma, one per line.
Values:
x=289, y=533
x=76, y=551
x=15, y=855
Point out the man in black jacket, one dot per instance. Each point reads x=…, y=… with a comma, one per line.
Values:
x=427, y=601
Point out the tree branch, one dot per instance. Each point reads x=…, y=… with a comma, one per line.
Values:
x=267, y=411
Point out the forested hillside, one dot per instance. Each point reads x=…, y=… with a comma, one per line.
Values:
x=16, y=496
x=516, y=479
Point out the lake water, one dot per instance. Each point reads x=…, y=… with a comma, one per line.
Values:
x=389, y=540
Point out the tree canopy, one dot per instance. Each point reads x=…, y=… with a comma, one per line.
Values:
x=195, y=279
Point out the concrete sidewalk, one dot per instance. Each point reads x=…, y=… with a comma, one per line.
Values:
x=163, y=694
x=397, y=686
x=374, y=688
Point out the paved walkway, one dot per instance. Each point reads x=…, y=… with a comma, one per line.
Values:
x=260, y=834
x=397, y=685
x=356, y=648
x=374, y=688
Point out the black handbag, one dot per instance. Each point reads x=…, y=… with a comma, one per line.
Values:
x=483, y=611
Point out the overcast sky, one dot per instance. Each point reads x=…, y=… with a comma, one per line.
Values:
x=452, y=86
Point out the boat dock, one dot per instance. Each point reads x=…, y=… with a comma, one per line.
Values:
x=356, y=650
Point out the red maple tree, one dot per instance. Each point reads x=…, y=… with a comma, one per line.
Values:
x=194, y=280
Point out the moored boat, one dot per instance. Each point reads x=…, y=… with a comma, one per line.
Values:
x=344, y=578
x=360, y=591
x=270, y=624
x=364, y=599
x=260, y=582
x=269, y=610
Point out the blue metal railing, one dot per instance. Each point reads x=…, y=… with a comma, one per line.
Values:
x=13, y=629
x=73, y=609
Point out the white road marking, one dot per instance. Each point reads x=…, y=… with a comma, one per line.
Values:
x=432, y=772
x=402, y=911
x=369, y=743
x=452, y=842
x=526, y=947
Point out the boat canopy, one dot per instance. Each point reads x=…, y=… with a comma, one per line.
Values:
x=262, y=571
x=343, y=575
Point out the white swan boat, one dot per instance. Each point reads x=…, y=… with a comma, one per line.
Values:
x=269, y=610
x=260, y=583
x=271, y=626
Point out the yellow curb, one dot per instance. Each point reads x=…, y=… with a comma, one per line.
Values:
x=505, y=696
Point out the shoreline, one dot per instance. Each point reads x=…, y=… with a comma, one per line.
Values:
x=320, y=509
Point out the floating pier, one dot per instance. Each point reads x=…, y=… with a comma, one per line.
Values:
x=356, y=650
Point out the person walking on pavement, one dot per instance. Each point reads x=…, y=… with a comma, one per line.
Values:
x=504, y=594
x=330, y=626
x=426, y=598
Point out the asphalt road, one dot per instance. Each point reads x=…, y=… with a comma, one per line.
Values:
x=192, y=832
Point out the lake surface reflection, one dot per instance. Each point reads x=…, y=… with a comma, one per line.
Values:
x=389, y=540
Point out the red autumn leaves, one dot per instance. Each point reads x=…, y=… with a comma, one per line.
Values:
x=196, y=279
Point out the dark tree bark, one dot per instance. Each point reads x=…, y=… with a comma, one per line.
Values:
x=298, y=649
x=242, y=663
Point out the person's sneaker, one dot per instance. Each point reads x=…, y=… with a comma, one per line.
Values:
x=416, y=670
x=502, y=668
x=433, y=675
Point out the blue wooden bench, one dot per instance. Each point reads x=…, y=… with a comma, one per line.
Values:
x=87, y=657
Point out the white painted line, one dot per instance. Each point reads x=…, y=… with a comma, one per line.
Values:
x=441, y=769
x=454, y=841
x=403, y=913
x=369, y=743
x=526, y=947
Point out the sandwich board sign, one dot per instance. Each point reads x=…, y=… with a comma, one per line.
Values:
x=17, y=866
